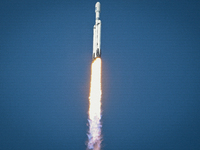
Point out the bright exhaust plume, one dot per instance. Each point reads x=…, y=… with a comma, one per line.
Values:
x=94, y=118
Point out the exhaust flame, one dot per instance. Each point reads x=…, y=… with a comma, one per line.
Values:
x=94, y=135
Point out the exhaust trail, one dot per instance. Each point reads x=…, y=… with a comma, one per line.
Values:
x=94, y=135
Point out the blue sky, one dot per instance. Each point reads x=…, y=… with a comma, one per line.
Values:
x=150, y=74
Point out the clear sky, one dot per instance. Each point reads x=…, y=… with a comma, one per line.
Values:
x=150, y=74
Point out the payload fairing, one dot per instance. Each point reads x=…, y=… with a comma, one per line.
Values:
x=97, y=33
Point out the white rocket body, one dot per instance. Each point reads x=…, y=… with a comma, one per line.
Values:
x=97, y=33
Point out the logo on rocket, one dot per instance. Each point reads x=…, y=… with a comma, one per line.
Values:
x=97, y=33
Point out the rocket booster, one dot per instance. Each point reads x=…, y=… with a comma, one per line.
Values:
x=97, y=33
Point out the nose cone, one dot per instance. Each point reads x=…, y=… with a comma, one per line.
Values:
x=97, y=7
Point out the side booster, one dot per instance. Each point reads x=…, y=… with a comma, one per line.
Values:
x=97, y=33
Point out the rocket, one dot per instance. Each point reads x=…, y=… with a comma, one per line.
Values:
x=97, y=33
